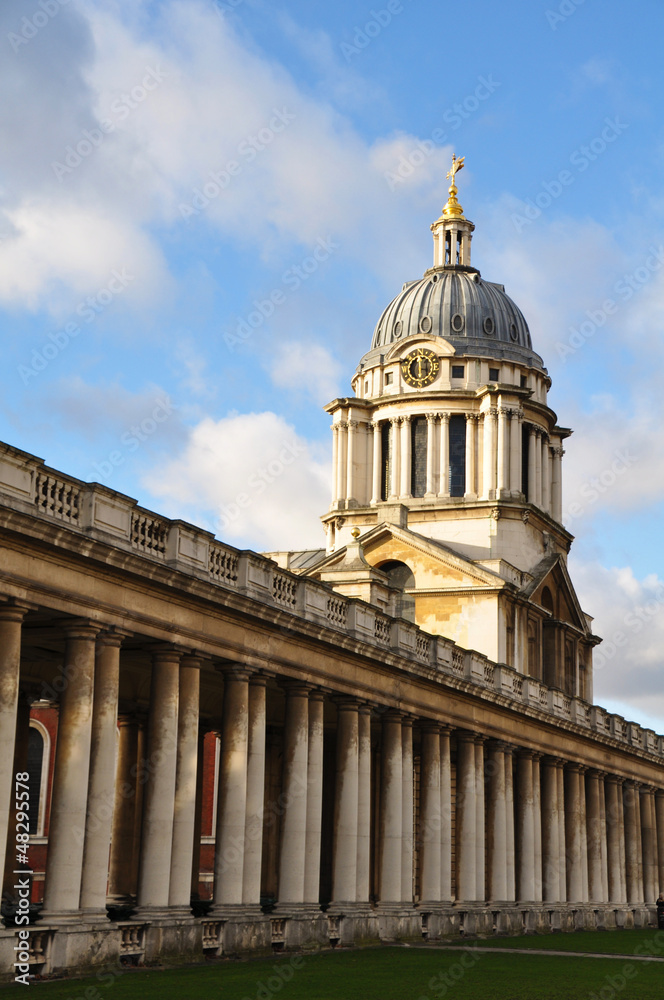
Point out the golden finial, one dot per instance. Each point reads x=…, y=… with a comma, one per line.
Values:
x=453, y=209
x=356, y=532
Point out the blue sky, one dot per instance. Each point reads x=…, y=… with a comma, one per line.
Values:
x=204, y=208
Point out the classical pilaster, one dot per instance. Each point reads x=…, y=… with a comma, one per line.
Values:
x=159, y=794
x=407, y=811
x=377, y=467
x=515, y=452
x=445, y=816
x=480, y=852
x=342, y=483
x=614, y=808
x=430, y=814
x=594, y=837
x=350, y=460
x=556, y=483
x=537, y=816
x=490, y=457
x=503, y=453
x=405, y=490
x=546, y=474
x=72, y=767
x=253, y=828
x=395, y=472
x=294, y=824
x=525, y=827
x=314, y=798
x=510, y=867
x=471, y=456
x=431, y=432
x=561, y=832
x=649, y=845
x=364, y=804
x=232, y=791
x=496, y=822
x=466, y=818
x=11, y=620
x=532, y=464
x=344, y=861
x=444, y=481
x=335, y=463
x=573, y=826
x=633, y=858
x=552, y=850
x=101, y=784
x=391, y=809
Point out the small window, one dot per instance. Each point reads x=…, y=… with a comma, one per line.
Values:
x=524, y=381
x=457, y=371
x=388, y=378
x=366, y=388
x=494, y=374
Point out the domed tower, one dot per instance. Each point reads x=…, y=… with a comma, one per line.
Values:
x=447, y=462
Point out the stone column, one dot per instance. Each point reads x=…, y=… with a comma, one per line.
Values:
x=649, y=845
x=122, y=881
x=556, y=484
x=515, y=453
x=561, y=832
x=537, y=811
x=471, y=462
x=594, y=835
x=479, y=819
x=184, y=810
x=602, y=822
x=253, y=828
x=335, y=463
x=532, y=464
x=466, y=819
x=551, y=847
x=614, y=808
x=344, y=861
x=573, y=842
x=525, y=827
x=11, y=620
x=538, y=467
x=314, y=798
x=445, y=816
x=431, y=429
x=503, y=453
x=444, y=486
x=546, y=475
x=64, y=865
x=623, y=851
x=101, y=784
x=364, y=805
x=632, y=842
x=294, y=824
x=489, y=475
x=430, y=815
x=350, y=459
x=377, y=468
x=159, y=793
x=407, y=812
x=343, y=459
x=405, y=491
x=391, y=780
x=232, y=791
x=497, y=822
x=659, y=831
x=394, y=487
x=510, y=867
x=198, y=817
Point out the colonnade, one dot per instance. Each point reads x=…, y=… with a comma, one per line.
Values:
x=456, y=817
x=494, y=467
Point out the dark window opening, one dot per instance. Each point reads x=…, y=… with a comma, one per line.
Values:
x=524, y=381
x=418, y=466
x=457, y=371
x=457, y=455
x=386, y=460
x=494, y=374
x=525, y=439
x=388, y=378
x=400, y=579
x=35, y=765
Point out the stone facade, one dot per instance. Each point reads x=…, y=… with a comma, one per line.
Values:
x=392, y=739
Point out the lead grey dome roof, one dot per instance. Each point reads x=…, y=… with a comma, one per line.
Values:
x=477, y=317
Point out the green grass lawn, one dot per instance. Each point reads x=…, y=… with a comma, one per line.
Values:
x=598, y=942
x=391, y=974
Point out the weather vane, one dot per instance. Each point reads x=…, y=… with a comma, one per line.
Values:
x=453, y=209
x=456, y=166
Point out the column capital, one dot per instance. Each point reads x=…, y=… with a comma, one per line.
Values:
x=164, y=652
x=81, y=628
x=392, y=715
x=445, y=416
x=473, y=415
x=498, y=745
x=235, y=671
x=573, y=766
x=431, y=417
x=294, y=688
x=465, y=736
x=430, y=726
x=13, y=609
x=346, y=703
x=553, y=761
x=113, y=636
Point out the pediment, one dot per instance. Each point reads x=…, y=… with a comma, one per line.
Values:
x=551, y=588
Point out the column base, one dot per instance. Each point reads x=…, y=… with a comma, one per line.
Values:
x=299, y=925
x=398, y=922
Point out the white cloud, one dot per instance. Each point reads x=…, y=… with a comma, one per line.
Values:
x=252, y=478
x=629, y=615
x=306, y=368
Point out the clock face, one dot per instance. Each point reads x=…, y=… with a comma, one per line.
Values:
x=420, y=368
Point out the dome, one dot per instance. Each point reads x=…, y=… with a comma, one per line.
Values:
x=477, y=317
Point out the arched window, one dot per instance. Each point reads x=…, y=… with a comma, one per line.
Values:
x=37, y=760
x=401, y=579
x=547, y=600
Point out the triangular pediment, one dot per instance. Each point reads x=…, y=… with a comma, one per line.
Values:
x=551, y=589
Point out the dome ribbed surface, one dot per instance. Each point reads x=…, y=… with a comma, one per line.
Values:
x=476, y=316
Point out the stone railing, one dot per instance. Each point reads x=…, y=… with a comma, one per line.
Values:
x=98, y=512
